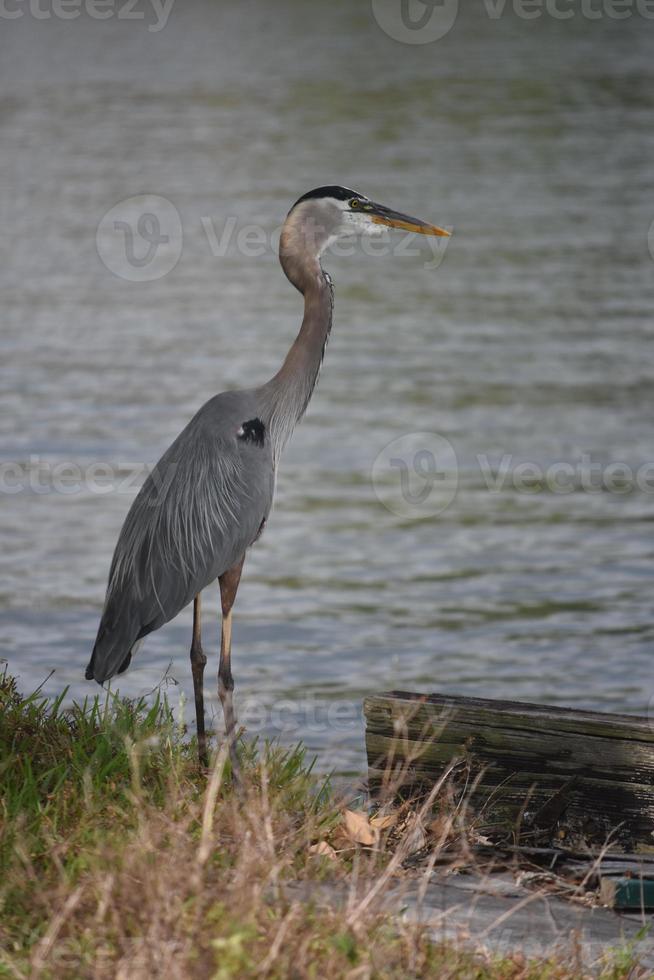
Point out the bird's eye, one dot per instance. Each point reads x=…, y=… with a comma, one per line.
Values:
x=354, y=203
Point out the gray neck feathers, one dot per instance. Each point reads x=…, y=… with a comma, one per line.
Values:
x=286, y=396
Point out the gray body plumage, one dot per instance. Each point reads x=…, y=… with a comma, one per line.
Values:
x=207, y=498
x=195, y=516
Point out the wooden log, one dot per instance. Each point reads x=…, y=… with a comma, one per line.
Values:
x=529, y=771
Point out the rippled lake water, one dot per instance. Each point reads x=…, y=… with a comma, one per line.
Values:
x=530, y=343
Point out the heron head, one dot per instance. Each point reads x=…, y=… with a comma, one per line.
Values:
x=332, y=212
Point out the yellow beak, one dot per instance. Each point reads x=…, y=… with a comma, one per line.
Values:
x=381, y=215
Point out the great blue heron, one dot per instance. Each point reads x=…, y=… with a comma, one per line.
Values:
x=207, y=500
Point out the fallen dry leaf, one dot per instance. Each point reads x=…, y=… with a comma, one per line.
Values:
x=323, y=849
x=358, y=828
x=383, y=822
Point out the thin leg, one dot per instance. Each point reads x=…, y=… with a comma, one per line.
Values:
x=228, y=588
x=198, y=663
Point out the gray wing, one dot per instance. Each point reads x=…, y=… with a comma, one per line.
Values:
x=195, y=516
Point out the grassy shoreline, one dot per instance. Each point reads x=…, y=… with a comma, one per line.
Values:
x=119, y=858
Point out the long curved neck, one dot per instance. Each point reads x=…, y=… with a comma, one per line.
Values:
x=287, y=394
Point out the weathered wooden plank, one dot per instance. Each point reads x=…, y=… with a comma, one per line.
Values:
x=585, y=775
x=537, y=751
x=514, y=714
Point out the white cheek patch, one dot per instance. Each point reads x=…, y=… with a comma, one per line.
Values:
x=360, y=223
x=373, y=230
